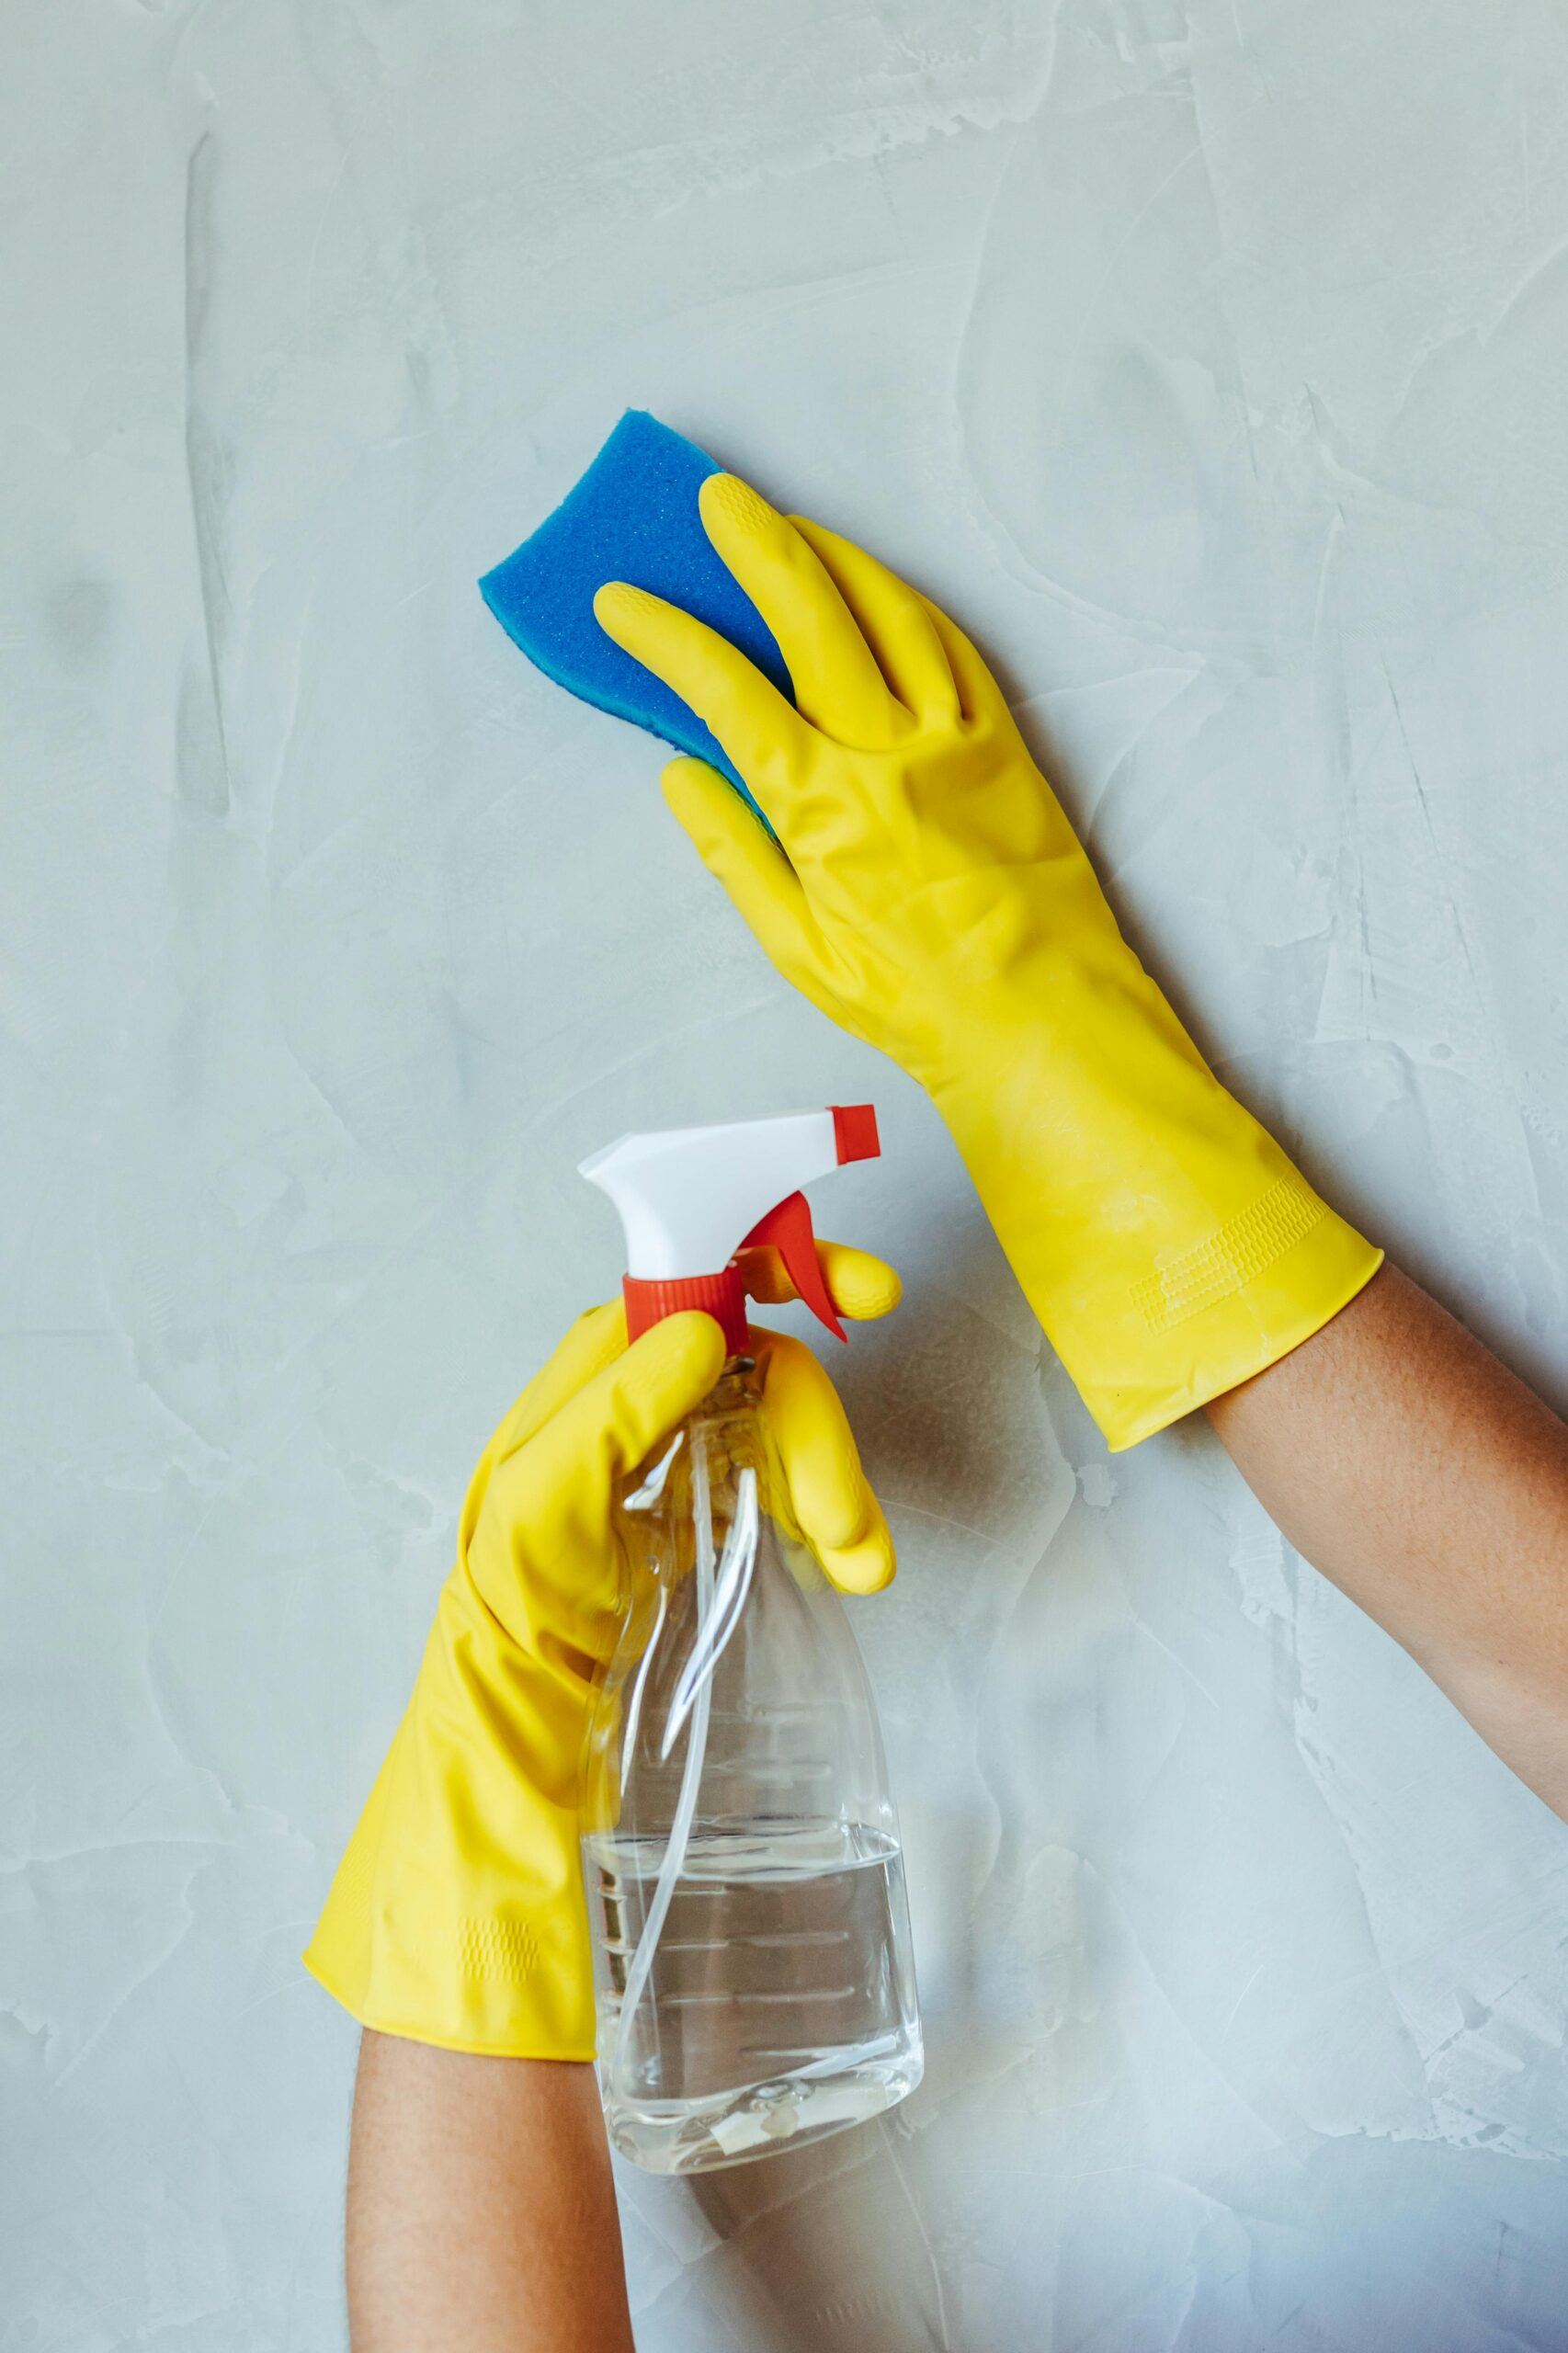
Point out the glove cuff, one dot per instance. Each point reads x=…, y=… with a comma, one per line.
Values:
x=457, y=1915
x=1168, y=1245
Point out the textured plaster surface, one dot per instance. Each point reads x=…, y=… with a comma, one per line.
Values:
x=1209, y=361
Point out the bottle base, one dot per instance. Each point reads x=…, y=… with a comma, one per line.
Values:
x=753, y=2121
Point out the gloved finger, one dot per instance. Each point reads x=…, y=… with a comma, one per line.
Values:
x=766, y=738
x=893, y=621
x=980, y=697
x=555, y=1491
x=837, y=684
x=859, y=1286
x=838, y=1514
x=755, y=872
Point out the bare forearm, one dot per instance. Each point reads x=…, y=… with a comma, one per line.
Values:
x=481, y=2207
x=1413, y=1468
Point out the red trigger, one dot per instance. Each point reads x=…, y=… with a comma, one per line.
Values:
x=788, y=1229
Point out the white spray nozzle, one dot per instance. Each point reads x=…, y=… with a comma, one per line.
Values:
x=689, y=1198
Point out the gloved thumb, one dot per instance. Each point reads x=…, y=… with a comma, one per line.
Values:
x=555, y=1493
x=752, y=869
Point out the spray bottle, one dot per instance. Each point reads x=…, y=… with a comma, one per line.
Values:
x=753, y=1962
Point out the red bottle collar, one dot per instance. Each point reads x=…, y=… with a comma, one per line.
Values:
x=722, y=1296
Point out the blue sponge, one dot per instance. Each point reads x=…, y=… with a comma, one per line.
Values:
x=632, y=517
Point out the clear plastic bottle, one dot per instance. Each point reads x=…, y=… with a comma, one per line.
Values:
x=752, y=1956
x=756, y=1982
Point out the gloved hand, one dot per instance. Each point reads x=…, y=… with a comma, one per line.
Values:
x=927, y=891
x=457, y=1915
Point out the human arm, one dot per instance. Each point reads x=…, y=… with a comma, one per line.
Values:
x=480, y=2206
x=455, y=1931
x=1431, y=1485
x=926, y=890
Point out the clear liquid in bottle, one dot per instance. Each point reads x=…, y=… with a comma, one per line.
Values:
x=745, y=1880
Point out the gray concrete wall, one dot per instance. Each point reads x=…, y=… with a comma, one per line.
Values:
x=1209, y=362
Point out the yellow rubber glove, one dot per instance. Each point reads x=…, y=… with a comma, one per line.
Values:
x=931, y=896
x=457, y=1915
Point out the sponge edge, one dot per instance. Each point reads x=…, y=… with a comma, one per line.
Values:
x=632, y=517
